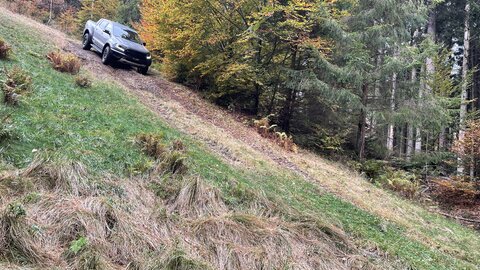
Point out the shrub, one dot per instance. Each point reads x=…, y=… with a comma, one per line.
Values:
x=17, y=83
x=373, y=168
x=401, y=182
x=83, y=81
x=266, y=130
x=64, y=62
x=5, y=49
x=456, y=190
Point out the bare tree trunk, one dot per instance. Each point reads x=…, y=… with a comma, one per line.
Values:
x=409, y=142
x=431, y=32
x=463, y=106
x=391, y=126
x=362, y=124
x=51, y=11
x=441, y=139
x=376, y=90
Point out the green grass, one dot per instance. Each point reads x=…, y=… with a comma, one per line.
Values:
x=96, y=126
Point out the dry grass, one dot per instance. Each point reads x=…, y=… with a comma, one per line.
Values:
x=64, y=62
x=16, y=84
x=169, y=159
x=78, y=224
x=5, y=50
x=83, y=81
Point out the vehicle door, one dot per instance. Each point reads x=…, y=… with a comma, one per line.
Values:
x=99, y=34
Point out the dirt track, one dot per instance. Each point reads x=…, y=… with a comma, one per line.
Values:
x=186, y=110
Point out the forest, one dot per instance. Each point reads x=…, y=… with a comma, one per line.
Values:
x=391, y=86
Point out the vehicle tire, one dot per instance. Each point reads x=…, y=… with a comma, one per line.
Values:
x=143, y=70
x=86, y=42
x=106, y=55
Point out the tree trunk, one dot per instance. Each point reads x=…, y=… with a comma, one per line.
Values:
x=441, y=139
x=418, y=132
x=463, y=106
x=362, y=124
x=410, y=127
x=287, y=111
x=431, y=31
x=51, y=11
x=376, y=89
x=391, y=126
x=409, y=142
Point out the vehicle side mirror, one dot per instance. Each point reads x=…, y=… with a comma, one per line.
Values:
x=106, y=31
x=144, y=44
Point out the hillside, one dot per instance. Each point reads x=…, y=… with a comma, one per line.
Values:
x=91, y=199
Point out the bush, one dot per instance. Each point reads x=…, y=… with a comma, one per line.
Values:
x=401, y=182
x=83, y=81
x=455, y=190
x=373, y=168
x=64, y=62
x=264, y=128
x=17, y=83
x=5, y=49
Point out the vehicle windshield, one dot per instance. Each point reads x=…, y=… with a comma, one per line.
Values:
x=126, y=34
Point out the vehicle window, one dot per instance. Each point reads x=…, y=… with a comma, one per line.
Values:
x=102, y=25
x=109, y=27
x=126, y=34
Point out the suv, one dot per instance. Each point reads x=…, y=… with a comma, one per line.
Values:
x=116, y=42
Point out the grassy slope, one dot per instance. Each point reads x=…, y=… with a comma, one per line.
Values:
x=95, y=126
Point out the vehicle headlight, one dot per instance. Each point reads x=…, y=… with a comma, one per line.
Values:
x=120, y=47
x=149, y=56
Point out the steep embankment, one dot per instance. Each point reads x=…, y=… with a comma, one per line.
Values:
x=94, y=127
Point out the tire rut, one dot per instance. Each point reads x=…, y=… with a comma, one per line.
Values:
x=156, y=92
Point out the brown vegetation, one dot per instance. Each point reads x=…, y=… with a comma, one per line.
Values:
x=269, y=131
x=64, y=62
x=17, y=83
x=169, y=159
x=5, y=50
x=83, y=81
x=64, y=218
x=455, y=191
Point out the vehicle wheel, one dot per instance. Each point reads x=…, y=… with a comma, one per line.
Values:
x=86, y=42
x=106, y=55
x=143, y=70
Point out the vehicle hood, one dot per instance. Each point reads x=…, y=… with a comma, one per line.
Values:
x=132, y=45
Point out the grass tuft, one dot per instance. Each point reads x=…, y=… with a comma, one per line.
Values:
x=83, y=81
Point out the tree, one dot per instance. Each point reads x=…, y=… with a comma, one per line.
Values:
x=95, y=10
x=465, y=69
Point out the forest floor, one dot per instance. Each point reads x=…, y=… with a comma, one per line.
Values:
x=418, y=236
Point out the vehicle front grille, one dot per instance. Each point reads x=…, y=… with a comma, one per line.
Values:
x=136, y=55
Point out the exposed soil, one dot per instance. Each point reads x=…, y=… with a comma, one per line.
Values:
x=182, y=107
